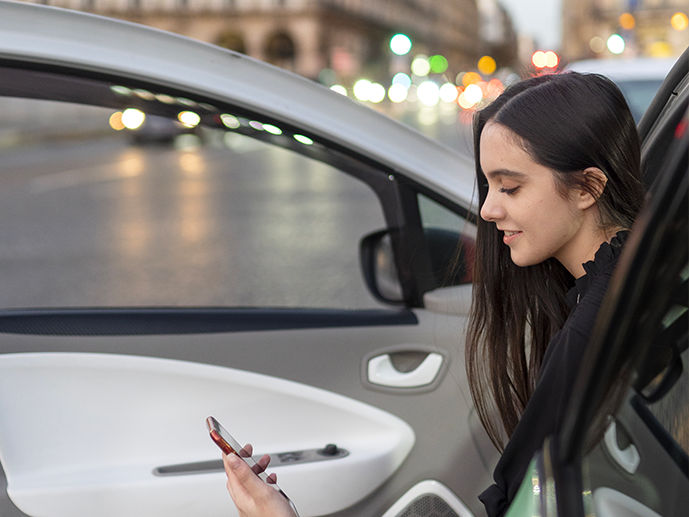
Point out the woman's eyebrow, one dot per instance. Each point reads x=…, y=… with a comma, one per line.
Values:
x=505, y=173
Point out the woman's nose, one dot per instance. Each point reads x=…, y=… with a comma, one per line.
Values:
x=491, y=211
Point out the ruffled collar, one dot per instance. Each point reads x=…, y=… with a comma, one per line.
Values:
x=606, y=254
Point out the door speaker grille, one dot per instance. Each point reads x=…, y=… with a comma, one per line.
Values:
x=429, y=505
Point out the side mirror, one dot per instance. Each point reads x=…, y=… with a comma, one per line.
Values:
x=452, y=261
x=378, y=267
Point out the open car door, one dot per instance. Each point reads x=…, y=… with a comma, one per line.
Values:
x=623, y=450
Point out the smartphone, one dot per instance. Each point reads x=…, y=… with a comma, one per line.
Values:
x=229, y=445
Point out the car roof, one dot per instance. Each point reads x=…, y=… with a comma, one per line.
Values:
x=626, y=69
x=55, y=36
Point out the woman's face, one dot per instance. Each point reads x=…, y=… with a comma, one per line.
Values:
x=536, y=221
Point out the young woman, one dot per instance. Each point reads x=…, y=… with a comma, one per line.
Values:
x=559, y=182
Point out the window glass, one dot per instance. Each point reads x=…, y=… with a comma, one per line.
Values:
x=435, y=215
x=94, y=215
x=672, y=410
x=451, y=240
x=639, y=95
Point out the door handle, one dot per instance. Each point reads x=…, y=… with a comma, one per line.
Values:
x=382, y=372
x=627, y=458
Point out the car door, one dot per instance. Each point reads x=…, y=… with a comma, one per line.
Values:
x=148, y=288
x=642, y=462
x=624, y=448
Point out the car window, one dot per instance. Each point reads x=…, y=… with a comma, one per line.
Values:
x=435, y=215
x=452, y=242
x=173, y=213
x=671, y=410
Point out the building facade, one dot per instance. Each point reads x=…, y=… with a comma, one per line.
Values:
x=347, y=38
x=646, y=26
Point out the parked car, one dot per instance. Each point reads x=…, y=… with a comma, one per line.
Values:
x=104, y=392
x=638, y=78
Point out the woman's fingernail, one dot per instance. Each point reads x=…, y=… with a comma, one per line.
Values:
x=233, y=460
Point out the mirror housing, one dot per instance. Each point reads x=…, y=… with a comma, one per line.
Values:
x=379, y=269
x=452, y=261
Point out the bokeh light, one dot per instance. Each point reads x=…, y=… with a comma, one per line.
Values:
x=402, y=79
x=428, y=93
x=538, y=59
x=133, y=118
x=303, y=139
x=473, y=93
x=679, y=21
x=116, y=121
x=551, y=59
x=230, y=121
x=420, y=66
x=597, y=44
x=273, y=130
x=463, y=102
x=397, y=93
x=448, y=92
x=627, y=21
x=616, y=44
x=438, y=64
x=487, y=65
x=547, y=59
x=339, y=89
x=376, y=93
x=189, y=118
x=121, y=90
x=327, y=77
x=660, y=49
x=361, y=89
x=494, y=88
x=470, y=78
x=400, y=44
x=165, y=99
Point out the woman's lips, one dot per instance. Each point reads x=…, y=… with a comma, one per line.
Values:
x=510, y=237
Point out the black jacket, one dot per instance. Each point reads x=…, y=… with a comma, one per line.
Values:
x=545, y=411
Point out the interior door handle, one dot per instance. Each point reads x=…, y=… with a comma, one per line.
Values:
x=627, y=458
x=382, y=372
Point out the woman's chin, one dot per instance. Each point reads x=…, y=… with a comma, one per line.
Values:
x=520, y=260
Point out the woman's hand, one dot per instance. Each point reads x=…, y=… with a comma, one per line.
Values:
x=250, y=494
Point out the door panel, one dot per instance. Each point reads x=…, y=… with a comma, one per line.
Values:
x=70, y=452
x=118, y=387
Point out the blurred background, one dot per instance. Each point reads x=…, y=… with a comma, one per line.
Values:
x=424, y=62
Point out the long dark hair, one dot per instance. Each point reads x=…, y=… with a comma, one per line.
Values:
x=567, y=122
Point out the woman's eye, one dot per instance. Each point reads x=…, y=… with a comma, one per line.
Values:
x=508, y=191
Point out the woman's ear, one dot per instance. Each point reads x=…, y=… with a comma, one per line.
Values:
x=594, y=184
